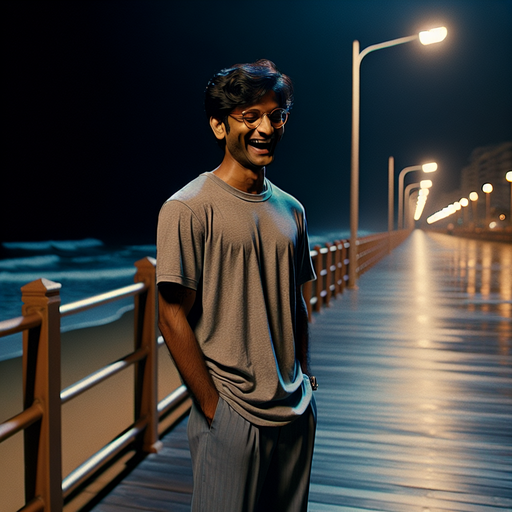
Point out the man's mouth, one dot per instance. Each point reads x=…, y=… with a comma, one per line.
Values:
x=262, y=144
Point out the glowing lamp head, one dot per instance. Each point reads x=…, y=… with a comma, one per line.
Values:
x=434, y=35
x=487, y=188
x=508, y=176
x=430, y=167
x=464, y=201
x=473, y=196
x=425, y=183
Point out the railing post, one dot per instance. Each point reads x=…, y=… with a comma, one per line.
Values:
x=319, y=278
x=344, y=264
x=146, y=376
x=328, y=274
x=41, y=384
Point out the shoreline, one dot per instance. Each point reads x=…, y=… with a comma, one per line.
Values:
x=90, y=420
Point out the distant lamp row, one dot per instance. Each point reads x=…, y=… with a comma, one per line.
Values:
x=487, y=188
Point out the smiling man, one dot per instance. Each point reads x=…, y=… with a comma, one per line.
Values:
x=232, y=256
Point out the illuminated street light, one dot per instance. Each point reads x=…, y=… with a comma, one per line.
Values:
x=430, y=167
x=422, y=199
x=464, y=201
x=425, y=183
x=357, y=57
x=473, y=197
x=407, y=195
x=487, y=189
x=508, y=177
x=434, y=35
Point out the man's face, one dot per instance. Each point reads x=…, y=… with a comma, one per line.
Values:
x=253, y=148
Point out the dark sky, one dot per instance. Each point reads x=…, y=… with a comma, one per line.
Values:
x=104, y=119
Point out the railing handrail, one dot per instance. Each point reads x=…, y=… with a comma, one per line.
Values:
x=101, y=375
x=101, y=299
x=19, y=324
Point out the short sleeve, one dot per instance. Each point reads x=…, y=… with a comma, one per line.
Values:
x=180, y=245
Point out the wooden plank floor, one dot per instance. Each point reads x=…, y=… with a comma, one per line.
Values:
x=415, y=397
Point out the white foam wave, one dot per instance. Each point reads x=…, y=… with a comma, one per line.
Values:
x=74, y=275
x=31, y=262
x=65, y=245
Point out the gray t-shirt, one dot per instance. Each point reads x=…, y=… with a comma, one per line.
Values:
x=245, y=255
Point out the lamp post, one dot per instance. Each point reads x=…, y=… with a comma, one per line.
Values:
x=408, y=192
x=473, y=197
x=391, y=199
x=508, y=177
x=487, y=189
x=430, y=167
x=463, y=201
x=427, y=37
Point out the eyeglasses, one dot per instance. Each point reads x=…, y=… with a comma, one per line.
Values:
x=253, y=118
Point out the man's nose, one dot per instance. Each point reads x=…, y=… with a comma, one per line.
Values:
x=265, y=125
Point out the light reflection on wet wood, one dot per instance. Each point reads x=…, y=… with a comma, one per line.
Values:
x=415, y=397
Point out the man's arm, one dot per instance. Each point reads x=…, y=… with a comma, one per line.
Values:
x=175, y=302
x=302, y=333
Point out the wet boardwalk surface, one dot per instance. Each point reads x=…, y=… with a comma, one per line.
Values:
x=415, y=397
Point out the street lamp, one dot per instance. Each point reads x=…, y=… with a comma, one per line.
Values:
x=487, y=189
x=407, y=194
x=430, y=167
x=508, y=176
x=426, y=37
x=464, y=201
x=473, y=197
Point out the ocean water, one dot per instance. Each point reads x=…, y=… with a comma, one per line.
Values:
x=84, y=268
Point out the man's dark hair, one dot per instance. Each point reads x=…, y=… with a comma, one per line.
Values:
x=245, y=84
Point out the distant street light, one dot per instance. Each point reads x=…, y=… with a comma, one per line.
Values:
x=391, y=199
x=487, y=189
x=473, y=197
x=422, y=198
x=407, y=197
x=426, y=37
x=430, y=167
x=508, y=176
x=464, y=202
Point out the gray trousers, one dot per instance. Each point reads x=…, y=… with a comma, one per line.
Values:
x=240, y=467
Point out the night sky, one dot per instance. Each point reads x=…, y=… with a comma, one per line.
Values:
x=103, y=113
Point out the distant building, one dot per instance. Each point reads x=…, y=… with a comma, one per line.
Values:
x=489, y=164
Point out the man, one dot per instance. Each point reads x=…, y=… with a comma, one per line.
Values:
x=232, y=255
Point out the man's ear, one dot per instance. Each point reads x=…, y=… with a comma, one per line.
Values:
x=218, y=127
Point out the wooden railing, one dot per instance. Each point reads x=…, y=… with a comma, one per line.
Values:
x=331, y=265
x=45, y=489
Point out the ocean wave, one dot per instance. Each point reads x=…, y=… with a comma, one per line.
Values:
x=68, y=275
x=30, y=261
x=48, y=245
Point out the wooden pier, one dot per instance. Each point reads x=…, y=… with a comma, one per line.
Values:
x=415, y=396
